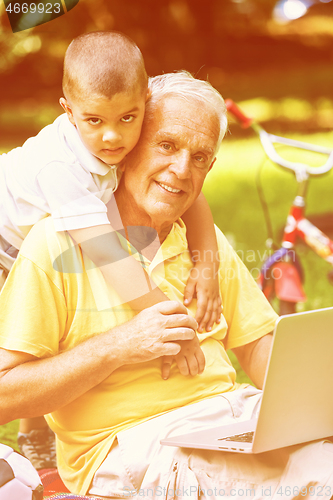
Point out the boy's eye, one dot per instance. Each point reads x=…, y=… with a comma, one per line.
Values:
x=128, y=118
x=94, y=121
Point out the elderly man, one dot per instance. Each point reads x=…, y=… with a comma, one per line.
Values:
x=71, y=350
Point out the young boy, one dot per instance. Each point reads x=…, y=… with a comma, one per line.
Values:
x=69, y=171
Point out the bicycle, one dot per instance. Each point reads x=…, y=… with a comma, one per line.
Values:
x=281, y=275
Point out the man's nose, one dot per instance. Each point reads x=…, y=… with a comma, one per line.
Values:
x=181, y=165
x=111, y=135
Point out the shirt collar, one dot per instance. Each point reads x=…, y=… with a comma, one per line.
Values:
x=174, y=244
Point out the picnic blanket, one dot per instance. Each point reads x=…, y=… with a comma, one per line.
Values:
x=55, y=489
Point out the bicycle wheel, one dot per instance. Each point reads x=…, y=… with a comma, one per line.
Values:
x=286, y=307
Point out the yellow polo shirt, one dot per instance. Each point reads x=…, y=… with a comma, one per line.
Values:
x=47, y=312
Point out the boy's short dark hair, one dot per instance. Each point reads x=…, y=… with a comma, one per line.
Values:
x=102, y=63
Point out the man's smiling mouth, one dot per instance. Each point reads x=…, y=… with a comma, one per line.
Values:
x=168, y=188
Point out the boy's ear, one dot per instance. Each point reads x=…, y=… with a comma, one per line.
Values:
x=148, y=94
x=67, y=108
x=211, y=165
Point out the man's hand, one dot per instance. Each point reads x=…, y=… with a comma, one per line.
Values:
x=152, y=333
x=204, y=284
x=156, y=331
x=190, y=359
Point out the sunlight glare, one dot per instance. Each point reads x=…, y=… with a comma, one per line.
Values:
x=293, y=9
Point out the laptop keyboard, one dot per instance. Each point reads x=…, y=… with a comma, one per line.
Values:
x=246, y=437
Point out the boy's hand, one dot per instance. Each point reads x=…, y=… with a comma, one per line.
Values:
x=190, y=359
x=203, y=284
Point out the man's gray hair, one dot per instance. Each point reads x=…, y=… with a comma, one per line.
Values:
x=183, y=84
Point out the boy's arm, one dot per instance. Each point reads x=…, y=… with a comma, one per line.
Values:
x=122, y=271
x=203, y=281
x=190, y=359
x=133, y=284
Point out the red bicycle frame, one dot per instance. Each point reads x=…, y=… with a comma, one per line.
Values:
x=299, y=226
x=288, y=272
x=281, y=275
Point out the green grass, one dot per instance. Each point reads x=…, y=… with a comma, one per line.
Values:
x=8, y=434
x=231, y=191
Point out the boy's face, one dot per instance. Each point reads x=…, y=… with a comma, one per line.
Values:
x=109, y=128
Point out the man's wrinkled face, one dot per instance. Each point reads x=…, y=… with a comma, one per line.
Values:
x=164, y=174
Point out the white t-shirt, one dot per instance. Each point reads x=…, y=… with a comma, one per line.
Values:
x=53, y=173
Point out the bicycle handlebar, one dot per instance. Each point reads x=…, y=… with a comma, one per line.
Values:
x=238, y=113
x=267, y=140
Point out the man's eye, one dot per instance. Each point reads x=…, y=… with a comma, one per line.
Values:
x=127, y=118
x=166, y=146
x=94, y=121
x=200, y=158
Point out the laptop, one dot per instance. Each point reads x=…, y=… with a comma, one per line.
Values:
x=297, y=399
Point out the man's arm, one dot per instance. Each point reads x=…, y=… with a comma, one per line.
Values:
x=31, y=387
x=253, y=358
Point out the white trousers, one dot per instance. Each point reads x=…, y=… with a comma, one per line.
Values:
x=138, y=466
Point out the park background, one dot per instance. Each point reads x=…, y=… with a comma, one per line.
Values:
x=279, y=70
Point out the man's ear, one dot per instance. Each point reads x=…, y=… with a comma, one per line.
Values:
x=67, y=108
x=211, y=165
